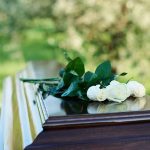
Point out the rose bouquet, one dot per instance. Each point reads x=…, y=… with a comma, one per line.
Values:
x=101, y=85
x=116, y=91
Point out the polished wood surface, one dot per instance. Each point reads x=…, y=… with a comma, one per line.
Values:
x=125, y=129
x=113, y=131
x=131, y=136
x=109, y=127
x=76, y=121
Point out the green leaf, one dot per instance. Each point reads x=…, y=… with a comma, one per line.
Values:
x=94, y=80
x=104, y=70
x=91, y=78
x=123, y=74
x=107, y=81
x=47, y=88
x=68, y=78
x=77, y=66
x=72, y=90
x=87, y=76
x=61, y=72
x=73, y=72
x=82, y=95
x=60, y=85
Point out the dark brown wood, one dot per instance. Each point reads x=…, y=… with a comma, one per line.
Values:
x=129, y=136
x=111, y=131
x=105, y=132
x=96, y=120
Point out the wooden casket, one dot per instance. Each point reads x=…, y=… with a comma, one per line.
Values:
x=31, y=123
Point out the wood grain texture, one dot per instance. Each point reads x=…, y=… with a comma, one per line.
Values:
x=113, y=131
x=96, y=120
x=107, y=137
x=104, y=131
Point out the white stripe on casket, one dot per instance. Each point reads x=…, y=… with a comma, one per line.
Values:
x=33, y=105
x=6, y=120
x=23, y=113
x=42, y=109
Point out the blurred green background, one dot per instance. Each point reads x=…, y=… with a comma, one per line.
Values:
x=92, y=29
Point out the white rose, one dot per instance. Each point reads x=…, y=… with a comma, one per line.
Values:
x=102, y=95
x=114, y=82
x=136, y=88
x=92, y=92
x=117, y=92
